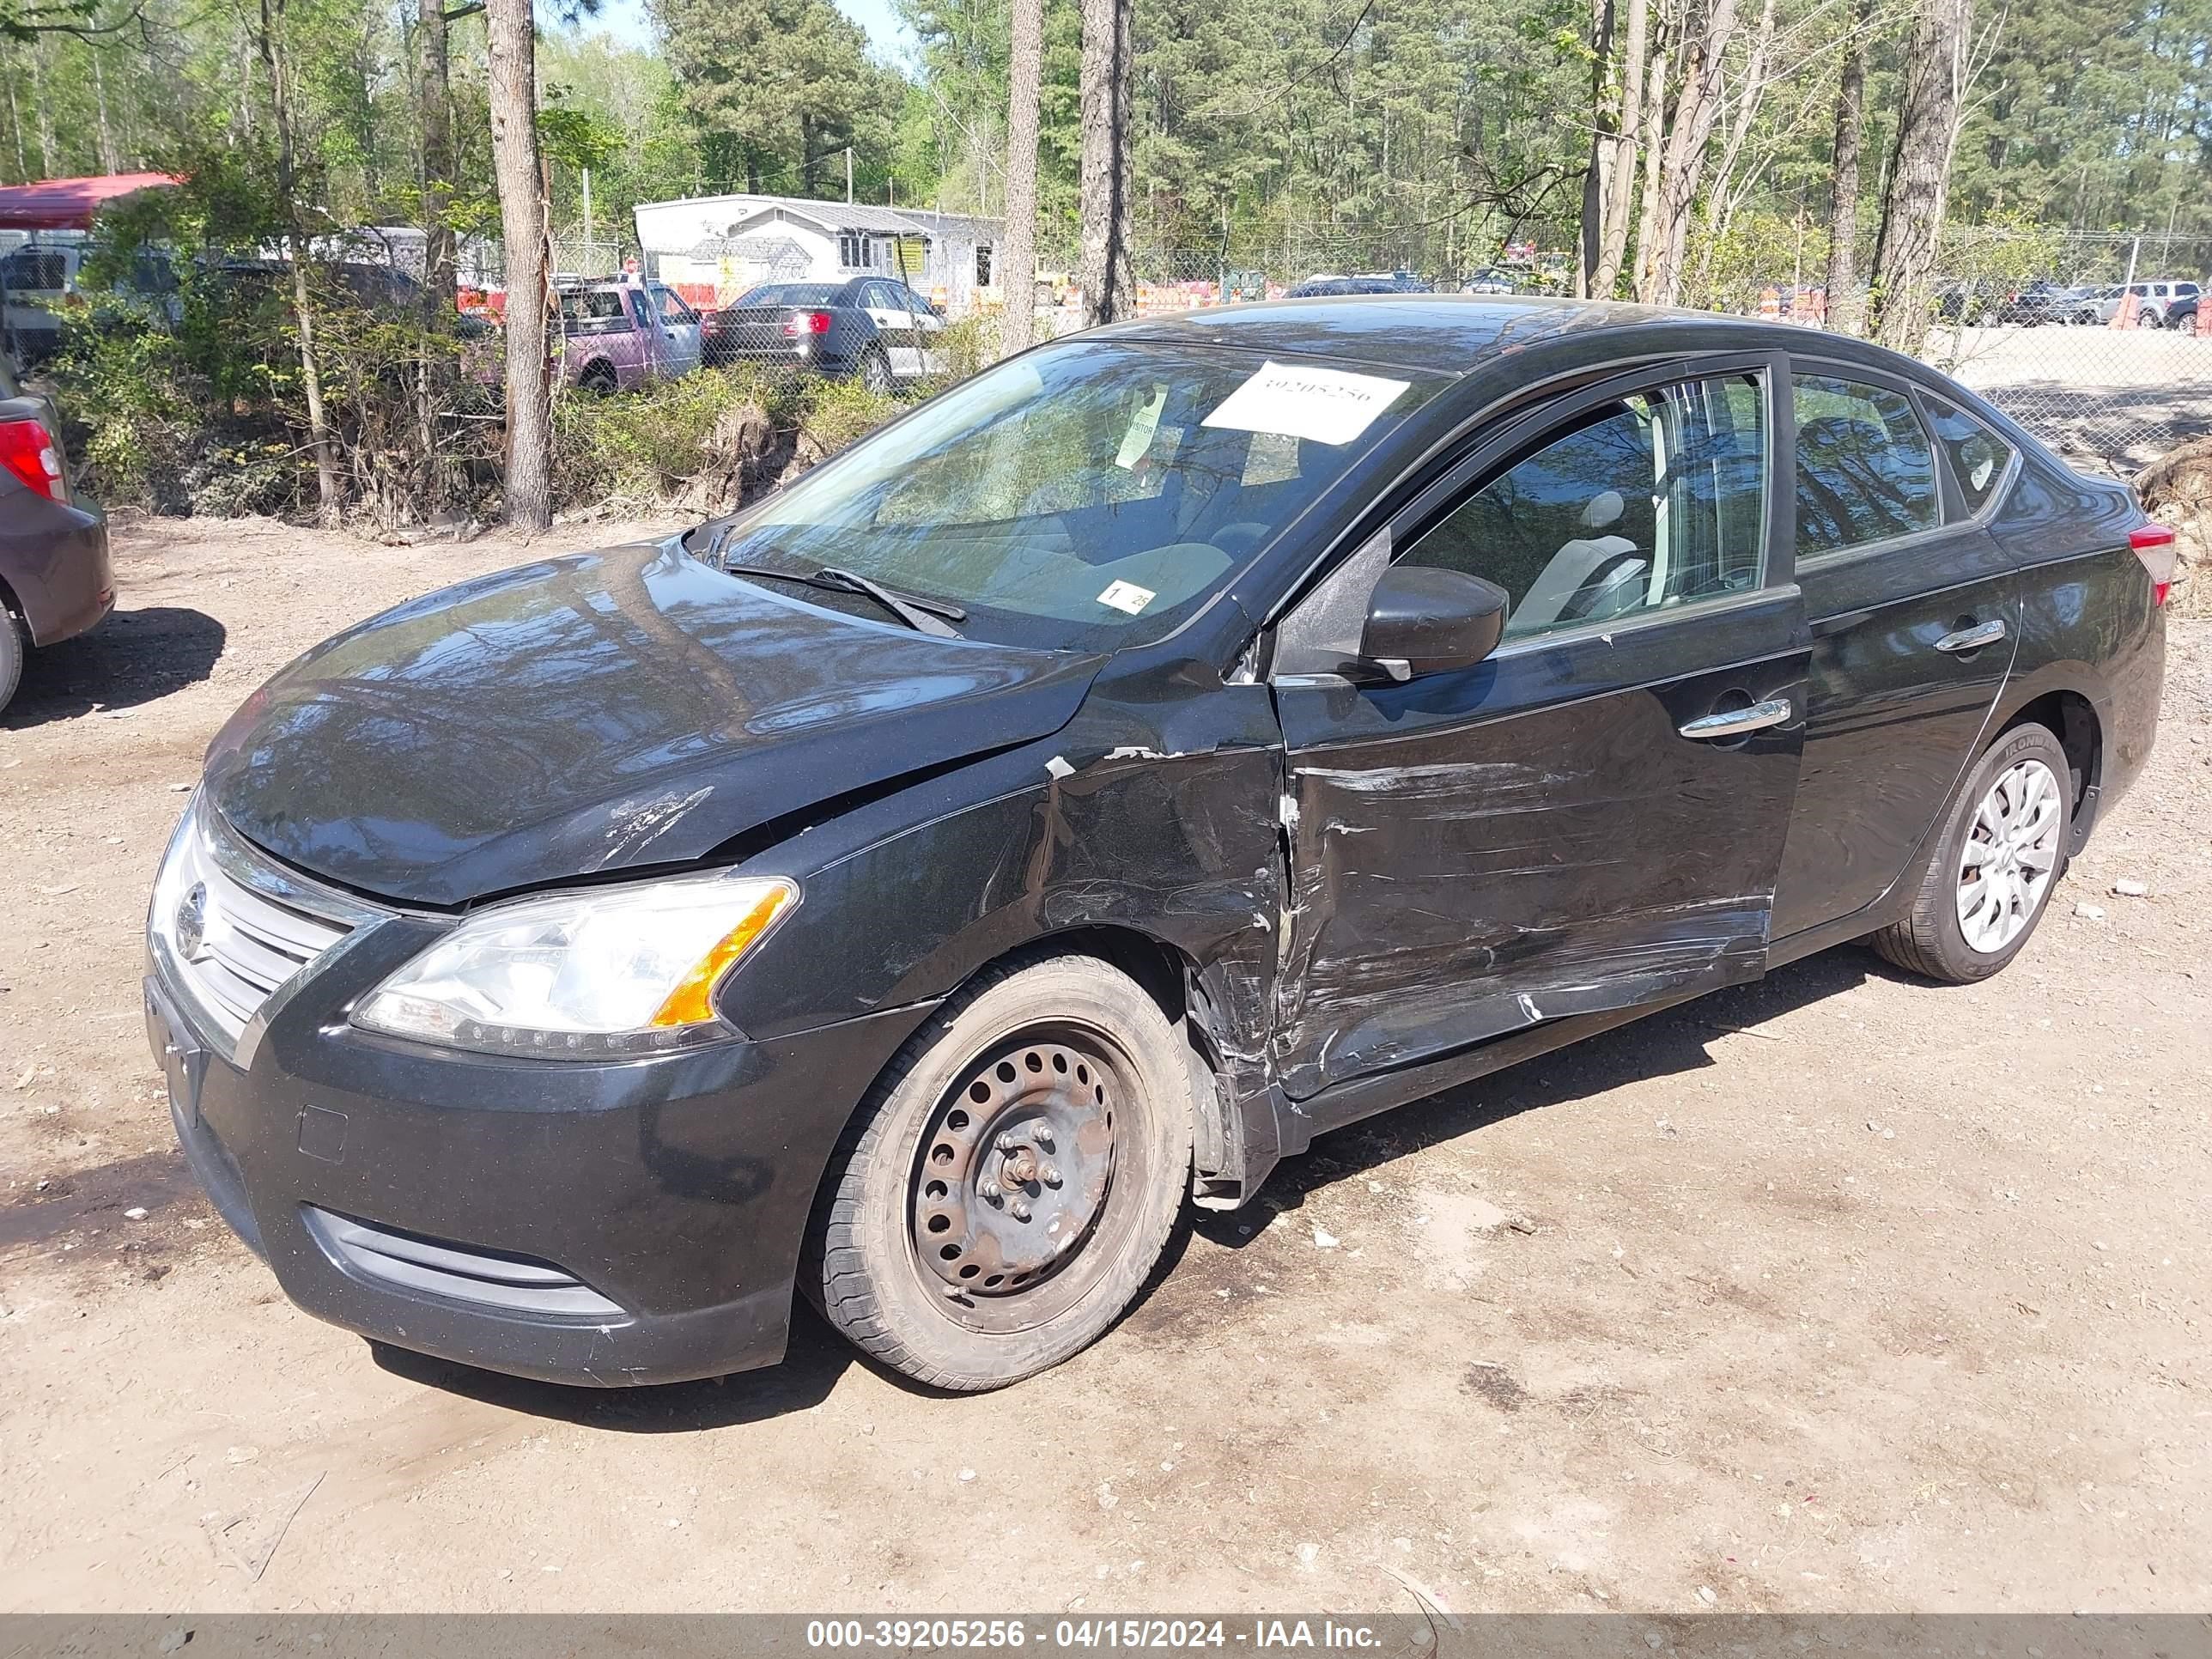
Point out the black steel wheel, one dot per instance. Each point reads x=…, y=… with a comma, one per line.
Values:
x=1012, y=1179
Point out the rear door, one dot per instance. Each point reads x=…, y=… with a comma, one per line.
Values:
x=1591, y=819
x=1915, y=615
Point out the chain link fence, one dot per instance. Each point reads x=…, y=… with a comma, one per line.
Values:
x=2095, y=342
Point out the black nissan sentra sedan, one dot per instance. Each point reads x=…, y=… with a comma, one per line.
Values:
x=1173, y=743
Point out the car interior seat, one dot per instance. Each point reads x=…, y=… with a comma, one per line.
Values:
x=1589, y=578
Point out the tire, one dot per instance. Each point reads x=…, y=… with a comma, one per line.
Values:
x=598, y=379
x=876, y=373
x=13, y=646
x=2150, y=318
x=1065, y=1045
x=1935, y=940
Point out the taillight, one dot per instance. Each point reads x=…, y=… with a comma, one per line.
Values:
x=806, y=322
x=28, y=450
x=2153, y=545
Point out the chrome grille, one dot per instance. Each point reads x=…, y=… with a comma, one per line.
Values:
x=231, y=928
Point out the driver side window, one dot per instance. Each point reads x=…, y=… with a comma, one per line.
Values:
x=1655, y=499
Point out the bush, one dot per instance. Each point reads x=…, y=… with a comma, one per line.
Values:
x=706, y=443
x=833, y=414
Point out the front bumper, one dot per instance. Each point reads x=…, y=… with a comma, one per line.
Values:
x=603, y=1224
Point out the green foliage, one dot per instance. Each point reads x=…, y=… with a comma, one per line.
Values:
x=776, y=89
x=706, y=442
x=834, y=414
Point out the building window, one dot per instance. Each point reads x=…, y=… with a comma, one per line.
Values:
x=983, y=264
x=852, y=250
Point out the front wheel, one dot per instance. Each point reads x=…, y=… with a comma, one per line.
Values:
x=1988, y=880
x=1009, y=1181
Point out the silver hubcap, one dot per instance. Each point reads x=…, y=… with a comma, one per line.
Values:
x=2010, y=855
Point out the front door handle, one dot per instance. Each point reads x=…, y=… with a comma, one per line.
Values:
x=1735, y=722
x=1972, y=639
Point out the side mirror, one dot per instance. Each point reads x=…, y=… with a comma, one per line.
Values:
x=1424, y=621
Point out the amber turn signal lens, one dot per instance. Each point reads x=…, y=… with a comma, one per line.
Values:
x=692, y=1001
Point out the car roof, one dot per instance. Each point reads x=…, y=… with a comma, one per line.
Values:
x=1456, y=334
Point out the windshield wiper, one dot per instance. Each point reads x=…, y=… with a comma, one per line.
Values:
x=923, y=616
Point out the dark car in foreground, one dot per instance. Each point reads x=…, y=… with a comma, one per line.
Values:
x=873, y=328
x=1172, y=744
x=56, y=581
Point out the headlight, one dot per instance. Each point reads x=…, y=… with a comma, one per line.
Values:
x=611, y=970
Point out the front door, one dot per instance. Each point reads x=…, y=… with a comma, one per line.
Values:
x=1915, y=613
x=1593, y=817
x=887, y=309
x=679, y=344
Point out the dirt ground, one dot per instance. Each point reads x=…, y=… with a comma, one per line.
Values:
x=1839, y=1292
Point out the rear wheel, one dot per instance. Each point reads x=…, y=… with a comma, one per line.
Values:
x=1988, y=880
x=12, y=643
x=598, y=379
x=1011, y=1179
x=875, y=372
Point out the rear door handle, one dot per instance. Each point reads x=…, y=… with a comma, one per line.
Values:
x=1973, y=639
x=1735, y=722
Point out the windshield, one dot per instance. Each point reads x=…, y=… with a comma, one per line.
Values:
x=791, y=294
x=1084, y=495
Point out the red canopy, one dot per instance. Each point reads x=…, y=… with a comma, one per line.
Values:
x=69, y=204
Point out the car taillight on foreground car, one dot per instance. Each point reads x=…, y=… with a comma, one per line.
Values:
x=2153, y=545
x=28, y=450
x=806, y=322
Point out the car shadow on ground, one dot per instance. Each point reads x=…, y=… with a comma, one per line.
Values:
x=1660, y=1045
x=135, y=657
x=1675, y=1041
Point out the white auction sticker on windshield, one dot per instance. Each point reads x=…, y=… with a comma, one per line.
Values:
x=1127, y=596
x=1328, y=405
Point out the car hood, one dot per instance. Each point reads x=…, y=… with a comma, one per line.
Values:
x=617, y=710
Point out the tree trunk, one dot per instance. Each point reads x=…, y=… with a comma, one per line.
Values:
x=46, y=167
x=108, y=161
x=15, y=115
x=1620, y=180
x=1655, y=146
x=1898, y=301
x=434, y=368
x=514, y=101
x=1108, y=283
x=1605, y=138
x=1846, y=305
x=271, y=46
x=1017, y=271
x=1697, y=106
x=435, y=111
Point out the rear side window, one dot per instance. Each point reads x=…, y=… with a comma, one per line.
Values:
x=1978, y=456
x=1654, y=501
x=1866, y=473
x=34, y=270
x=593, y=311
